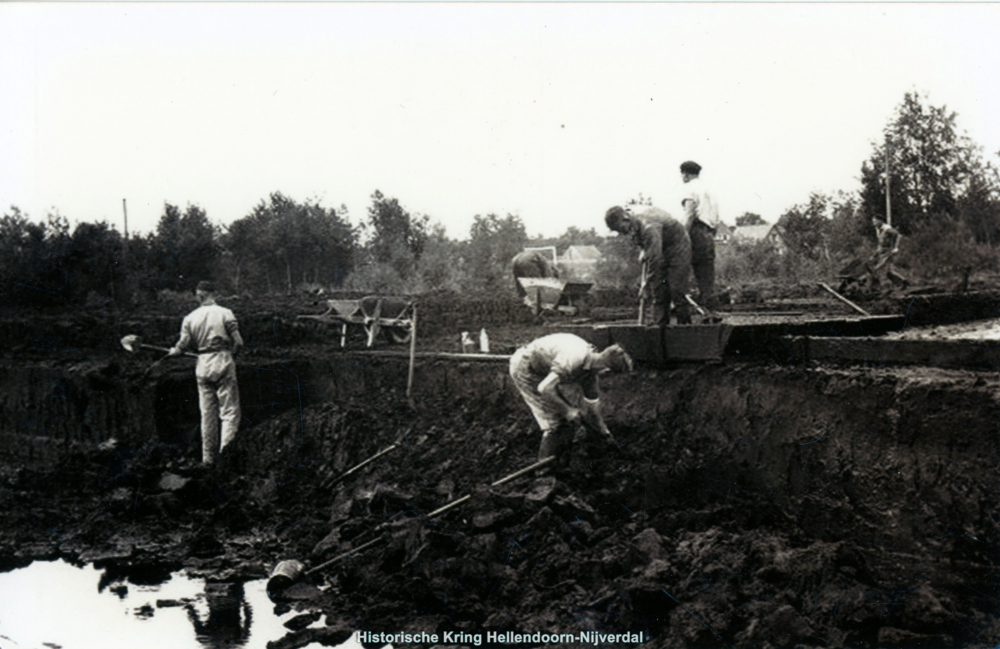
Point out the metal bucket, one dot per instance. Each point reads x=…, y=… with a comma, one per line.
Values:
x=284, y=575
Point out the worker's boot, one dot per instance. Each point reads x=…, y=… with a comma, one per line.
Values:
x=550, y=444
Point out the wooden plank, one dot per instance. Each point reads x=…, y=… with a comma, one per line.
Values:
x=659, y=345
x=695, y=342
x=597, y=335
x=967, y=354
x=843, y=299
x=752, y=340
x=496, y=358
x=644, y=344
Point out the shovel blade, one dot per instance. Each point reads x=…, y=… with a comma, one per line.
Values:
x=132, y=343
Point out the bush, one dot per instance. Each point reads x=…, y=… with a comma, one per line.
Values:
x=943, y=247
x=745, y=267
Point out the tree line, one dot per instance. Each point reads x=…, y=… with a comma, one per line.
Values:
x=944, y=197
x=280, y=247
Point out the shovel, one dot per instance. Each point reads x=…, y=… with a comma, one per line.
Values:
x=290, y=571
x=642, y=293
x=134, y=343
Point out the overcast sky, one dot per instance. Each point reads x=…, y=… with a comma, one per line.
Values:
x=551, y=111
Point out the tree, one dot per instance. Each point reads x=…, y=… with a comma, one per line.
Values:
x=636, y=204
x=94, y=251
x=184, y=249
x=804, y=228
x=749, y=218
x=845, y=233
x=933, y=170
x=42, y=263
x=443, y=265
x=395, y=237
x=493, y=242
x=296, y=242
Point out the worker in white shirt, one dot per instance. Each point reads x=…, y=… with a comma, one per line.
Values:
x=702, y=219
x=539, y=368
x=215, y=334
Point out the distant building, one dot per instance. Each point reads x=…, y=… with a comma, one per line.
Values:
x=724, y=233
x=757, y=233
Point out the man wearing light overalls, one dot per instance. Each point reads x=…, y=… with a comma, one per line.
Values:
x=215, y=334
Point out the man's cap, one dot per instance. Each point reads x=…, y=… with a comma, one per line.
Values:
x=206, y=287
x=690, y=167
x=614, y=216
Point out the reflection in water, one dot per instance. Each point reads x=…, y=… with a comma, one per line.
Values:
x=98, y=609
x=229, y=616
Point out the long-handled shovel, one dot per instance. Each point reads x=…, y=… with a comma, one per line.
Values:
x=642, y=292
x=290, y=571
x=134, y=343
x=329, y=482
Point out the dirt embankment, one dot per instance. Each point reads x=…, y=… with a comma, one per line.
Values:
x=748, y=505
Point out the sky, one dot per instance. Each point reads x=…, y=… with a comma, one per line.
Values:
x=549, y=111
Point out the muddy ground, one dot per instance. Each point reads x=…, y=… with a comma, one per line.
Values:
x=748, y=504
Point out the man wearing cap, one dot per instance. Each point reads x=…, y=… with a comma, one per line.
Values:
x=540, y=367
x=214, y=332
x=666, y=258
x=702, y=218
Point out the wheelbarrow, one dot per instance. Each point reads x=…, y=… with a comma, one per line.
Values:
x=553, y=294
x=393, y=317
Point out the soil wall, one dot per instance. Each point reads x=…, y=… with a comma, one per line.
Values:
x=898, y=440
x=781, y=504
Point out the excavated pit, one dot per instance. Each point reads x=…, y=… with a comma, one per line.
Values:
x=748, y=505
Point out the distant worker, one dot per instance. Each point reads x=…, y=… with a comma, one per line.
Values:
x=216, y=336
x=887, y=246
x=531, y=263
x=702, y=219
x=540, y=367
x=665, y=256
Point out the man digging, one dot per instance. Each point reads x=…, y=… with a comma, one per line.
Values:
x=666, y=259
x=539, y=368
x=216, y=336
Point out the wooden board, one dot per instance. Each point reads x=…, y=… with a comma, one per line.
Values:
x=966, y=354
x=659, y=345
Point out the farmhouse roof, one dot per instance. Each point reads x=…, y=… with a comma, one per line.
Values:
x=752, y=232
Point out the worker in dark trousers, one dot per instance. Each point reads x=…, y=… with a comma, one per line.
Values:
x=666, y=255
x=702, y=219
x=541, y=367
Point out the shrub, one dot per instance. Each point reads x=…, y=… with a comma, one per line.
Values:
x=943, y=247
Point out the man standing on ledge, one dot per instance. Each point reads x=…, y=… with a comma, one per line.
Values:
x=539, y=368
x=216, y=336
x=702, y=218
x=665, y=258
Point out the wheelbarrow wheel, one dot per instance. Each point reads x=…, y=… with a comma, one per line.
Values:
x=397, y=335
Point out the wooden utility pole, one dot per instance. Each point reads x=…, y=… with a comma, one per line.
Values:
x=888, y=175
x=413, y=349
x=125, y=211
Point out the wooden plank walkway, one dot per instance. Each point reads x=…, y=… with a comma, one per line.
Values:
x=978, y=355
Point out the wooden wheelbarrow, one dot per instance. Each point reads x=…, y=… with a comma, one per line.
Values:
x=390, y=316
